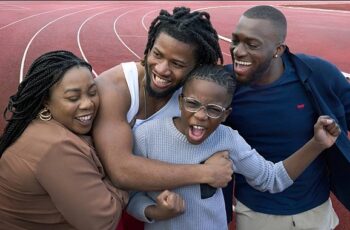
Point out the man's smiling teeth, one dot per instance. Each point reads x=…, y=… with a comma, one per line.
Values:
x=85, y=118
x=243, y=63
x=160, y=80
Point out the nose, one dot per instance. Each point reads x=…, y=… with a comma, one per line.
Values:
x=239, y=50
x=201, y=114
x=162, y=67
x=86, y=103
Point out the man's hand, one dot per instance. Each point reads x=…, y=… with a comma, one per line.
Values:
x=169, y=204
x=220, y=169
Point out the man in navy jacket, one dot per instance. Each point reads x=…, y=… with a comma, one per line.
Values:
x=278, y=99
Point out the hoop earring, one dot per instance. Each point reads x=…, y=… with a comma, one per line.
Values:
x=45, y=114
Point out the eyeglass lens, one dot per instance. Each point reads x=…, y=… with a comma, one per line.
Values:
x=212, y=110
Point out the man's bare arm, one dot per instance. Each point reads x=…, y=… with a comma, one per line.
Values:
x=114, y=140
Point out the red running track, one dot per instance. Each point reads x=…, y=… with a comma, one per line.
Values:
x=107, y=33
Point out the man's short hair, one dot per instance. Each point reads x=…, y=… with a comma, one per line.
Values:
x=273, y=15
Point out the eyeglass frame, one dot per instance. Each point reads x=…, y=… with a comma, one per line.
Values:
x=184, y=99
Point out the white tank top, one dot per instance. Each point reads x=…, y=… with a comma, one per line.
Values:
x=170, y=109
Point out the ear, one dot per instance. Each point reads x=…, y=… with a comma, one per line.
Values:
x=226, y=114
x=46, y=103
x=280, y=50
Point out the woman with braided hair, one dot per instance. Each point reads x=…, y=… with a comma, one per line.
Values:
x=50, y=175
x=135, y=92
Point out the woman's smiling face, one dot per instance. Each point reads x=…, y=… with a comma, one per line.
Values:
x=74, y=100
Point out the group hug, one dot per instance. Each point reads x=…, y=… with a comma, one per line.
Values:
x=177, y=139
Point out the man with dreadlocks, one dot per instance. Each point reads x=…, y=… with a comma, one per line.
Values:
x=132, y=93
x=50, y=175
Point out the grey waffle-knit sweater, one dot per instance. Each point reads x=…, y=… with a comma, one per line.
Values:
x=159, y=139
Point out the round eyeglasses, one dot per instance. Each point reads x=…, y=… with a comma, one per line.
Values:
x=192, y=105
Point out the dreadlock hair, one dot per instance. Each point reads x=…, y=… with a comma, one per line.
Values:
x=188, y=27
x=216, y=74
x=271, y=14
x=45, y=71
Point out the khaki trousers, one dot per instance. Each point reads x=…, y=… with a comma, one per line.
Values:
x=322, y=217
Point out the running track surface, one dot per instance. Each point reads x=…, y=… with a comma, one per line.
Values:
x=107, y=33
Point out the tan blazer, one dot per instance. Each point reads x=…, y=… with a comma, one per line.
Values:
x=51, y=178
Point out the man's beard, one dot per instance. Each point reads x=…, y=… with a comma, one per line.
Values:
x=152, y=92
x=256, y=75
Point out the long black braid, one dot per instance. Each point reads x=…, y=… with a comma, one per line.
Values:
x=191, y=28
x=32, y=92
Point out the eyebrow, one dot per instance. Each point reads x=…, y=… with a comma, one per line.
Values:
x=78, y=90
x=72, y=91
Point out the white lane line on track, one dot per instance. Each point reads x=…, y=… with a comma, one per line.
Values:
x=42, y=28
x=15, y=6
x=34, y=15
x=116, y=33
x=81, y=26
x=144, y=16
x=316, y=9
x=5, y=9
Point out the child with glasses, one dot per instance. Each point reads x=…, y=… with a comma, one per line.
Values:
x=193, y=137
